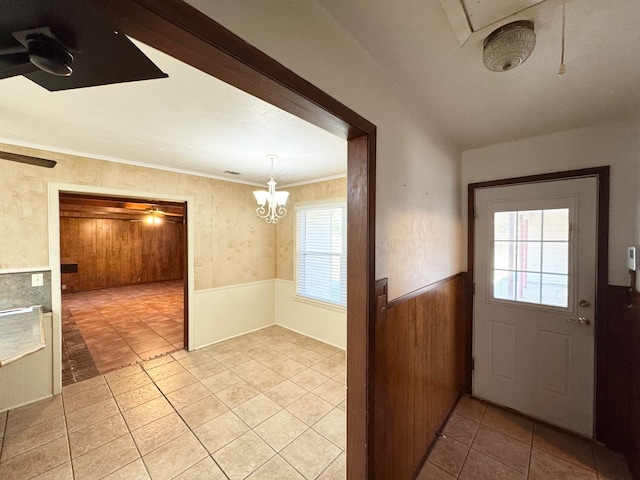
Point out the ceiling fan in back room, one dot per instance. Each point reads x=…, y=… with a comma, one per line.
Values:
x=66, y=44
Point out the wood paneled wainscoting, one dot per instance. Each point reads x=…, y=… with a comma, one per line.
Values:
x=420, y=352
x=114, y=253
x=620, y=382
x=633, y=449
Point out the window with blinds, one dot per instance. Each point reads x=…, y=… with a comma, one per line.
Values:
x=321, y=252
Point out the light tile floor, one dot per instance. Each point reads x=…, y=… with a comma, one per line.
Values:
x=267, y=405
x=482, y=442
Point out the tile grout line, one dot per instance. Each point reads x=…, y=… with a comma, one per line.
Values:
x=530, y=446
x=4, y=432
x=470, y=444
x=129, y=432
x=189, y=427
x=252, y=429
x=533, y=431
x=66, y=427
x=210, y=455
x=308, y=427
x=572, y=461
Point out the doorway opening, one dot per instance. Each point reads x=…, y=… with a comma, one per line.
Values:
x=122, y=271
x=71, y=206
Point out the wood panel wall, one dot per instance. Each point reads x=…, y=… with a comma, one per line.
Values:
x=113, y=253
x=420, y=353
x=619, y=384
x=613, y=382
x=633, y=440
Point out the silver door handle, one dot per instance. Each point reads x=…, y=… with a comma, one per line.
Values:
x=580, y=321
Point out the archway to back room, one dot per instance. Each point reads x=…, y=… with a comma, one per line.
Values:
x=122, y=282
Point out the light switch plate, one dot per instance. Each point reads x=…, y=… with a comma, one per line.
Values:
x=632, y=258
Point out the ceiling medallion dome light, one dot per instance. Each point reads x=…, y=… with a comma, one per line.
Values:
x=508, y=46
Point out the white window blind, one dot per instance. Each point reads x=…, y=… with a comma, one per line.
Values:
x=321, y=252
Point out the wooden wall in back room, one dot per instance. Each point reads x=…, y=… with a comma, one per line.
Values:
x=420, y=351
x=113, y=253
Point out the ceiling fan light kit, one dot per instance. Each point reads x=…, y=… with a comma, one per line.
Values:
x=49, y=55
x=153, y=217
x=68, y=44
x=509, y=46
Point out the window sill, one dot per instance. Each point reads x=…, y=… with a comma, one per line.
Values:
x=320, y=303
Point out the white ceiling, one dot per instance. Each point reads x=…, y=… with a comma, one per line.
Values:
x=188, y=122
x=413, y=40
x=195, y=123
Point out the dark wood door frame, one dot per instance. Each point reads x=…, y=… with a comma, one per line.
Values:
x=602, y=272
x=183, y=32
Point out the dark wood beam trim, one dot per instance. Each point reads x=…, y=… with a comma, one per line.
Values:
x=544, y=177
x=185, y=33
x=416, y=293
x=361, y=303
x=185, y=280
x=602, y=406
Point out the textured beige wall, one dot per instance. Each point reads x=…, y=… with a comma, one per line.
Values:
x=613, y=143
x=330, y=189
x=418, y=211
x=234, y=245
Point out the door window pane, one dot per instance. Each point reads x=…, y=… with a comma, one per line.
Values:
x=504, y=255
x=555, y=290
x=531, y=256
x=504, y=226
x=556, y=257
x=504, y=284
x=528, y=287
x=529, y=225
x=555, y=225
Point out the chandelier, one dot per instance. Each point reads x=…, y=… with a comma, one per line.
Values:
x=276, y=201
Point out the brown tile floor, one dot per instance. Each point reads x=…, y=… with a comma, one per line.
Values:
x=267, y=405
x=120, y=326
x=482, y=442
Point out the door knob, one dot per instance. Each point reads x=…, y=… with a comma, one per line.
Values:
x=580, y=321
x=584, y=303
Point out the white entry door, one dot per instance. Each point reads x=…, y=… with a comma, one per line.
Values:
x=534, y=303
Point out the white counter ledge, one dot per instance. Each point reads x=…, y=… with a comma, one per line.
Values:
x=21, y=333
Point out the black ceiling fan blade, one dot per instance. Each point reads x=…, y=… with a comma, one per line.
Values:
x=12, y=69
x=39, y=162
x=101, y=54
